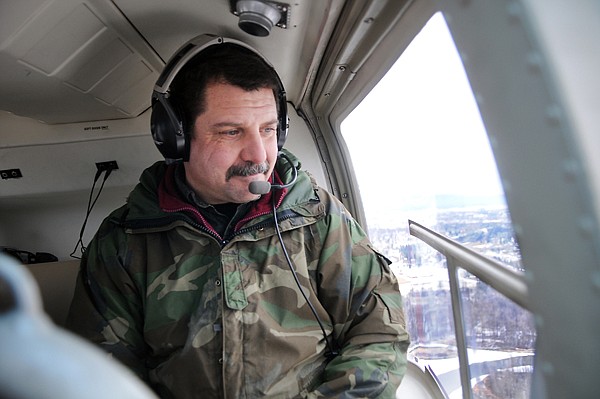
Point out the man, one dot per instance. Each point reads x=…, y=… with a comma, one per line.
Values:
x=196, y=287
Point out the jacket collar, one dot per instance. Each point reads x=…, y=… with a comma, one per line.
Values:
x=155, y=194
x=171, y=200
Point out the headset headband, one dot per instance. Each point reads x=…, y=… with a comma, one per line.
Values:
x=167, y=126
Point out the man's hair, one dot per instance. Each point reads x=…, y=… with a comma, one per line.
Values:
x=226, y=63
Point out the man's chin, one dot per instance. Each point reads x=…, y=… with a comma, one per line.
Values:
x=243, y=197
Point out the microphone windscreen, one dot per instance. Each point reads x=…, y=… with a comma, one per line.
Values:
x=259, y=187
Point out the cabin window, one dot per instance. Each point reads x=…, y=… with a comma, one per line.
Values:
x=420, y=151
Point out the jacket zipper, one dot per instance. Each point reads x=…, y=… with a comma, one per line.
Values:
x=178, y=215
x=163, y=221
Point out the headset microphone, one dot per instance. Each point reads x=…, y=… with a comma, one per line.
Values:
x=263, y=187
x=259, y=187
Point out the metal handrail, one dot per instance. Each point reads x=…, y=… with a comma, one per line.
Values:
x=507, y=281
x=504, y=279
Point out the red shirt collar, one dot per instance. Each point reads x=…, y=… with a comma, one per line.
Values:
x=170, y=200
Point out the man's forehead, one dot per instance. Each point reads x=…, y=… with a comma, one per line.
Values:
x=228, y=99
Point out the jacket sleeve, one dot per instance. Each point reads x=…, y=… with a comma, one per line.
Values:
x=365, y=305
x=105, y=308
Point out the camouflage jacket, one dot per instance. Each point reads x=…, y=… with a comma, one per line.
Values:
x=200, y=316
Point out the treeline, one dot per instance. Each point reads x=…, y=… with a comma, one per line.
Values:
x=491, y=320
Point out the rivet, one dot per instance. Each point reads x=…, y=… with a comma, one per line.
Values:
x=571, y=169
x=553, y=114
x=534, y=62
x=539, y=321
x=518, y=230
x=514, y=12
x=506, y=185
x=586, y=226
x=596, y=281
x=528, y=276
x=547, y=368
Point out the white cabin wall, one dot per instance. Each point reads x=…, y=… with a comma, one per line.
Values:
x=52, y=223
x=302, y=144
x=47, y=206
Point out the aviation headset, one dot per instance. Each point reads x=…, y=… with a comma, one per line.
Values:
x=167, y=124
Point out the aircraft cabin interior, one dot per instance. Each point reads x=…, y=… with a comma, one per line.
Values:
x=463, y=135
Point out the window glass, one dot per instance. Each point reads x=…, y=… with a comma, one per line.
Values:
x=420, y=152
x=500, y=340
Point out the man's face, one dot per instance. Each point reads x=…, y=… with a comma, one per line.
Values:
x=234, y=142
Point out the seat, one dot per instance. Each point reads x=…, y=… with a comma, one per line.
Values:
x=40, y=360
x=56, y=281
x=420, y=383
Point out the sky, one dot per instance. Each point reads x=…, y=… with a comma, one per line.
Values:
x=422, y=128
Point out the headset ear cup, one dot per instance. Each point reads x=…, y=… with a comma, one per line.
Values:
x=282, y=132
x=168, y=130
x=282, y=114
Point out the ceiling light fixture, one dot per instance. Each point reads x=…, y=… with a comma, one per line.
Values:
x=257, y=17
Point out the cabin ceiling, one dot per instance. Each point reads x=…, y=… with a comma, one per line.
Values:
x=68, y=61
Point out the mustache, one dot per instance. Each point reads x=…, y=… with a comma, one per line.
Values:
x=247, y=169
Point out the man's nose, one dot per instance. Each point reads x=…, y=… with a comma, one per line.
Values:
x=254, y=148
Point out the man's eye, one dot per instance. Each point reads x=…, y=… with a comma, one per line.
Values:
x=231, y=132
